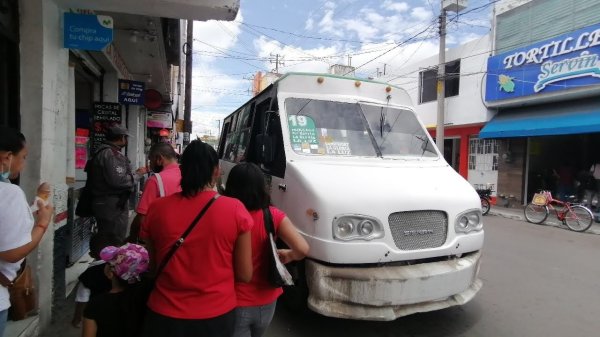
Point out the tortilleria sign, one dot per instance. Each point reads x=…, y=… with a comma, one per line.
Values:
x=568, y=61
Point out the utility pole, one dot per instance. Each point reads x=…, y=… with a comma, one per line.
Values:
x=441, y=87
x=187, y=112
x=349, y=60
x=447, y=6
x=277, y=62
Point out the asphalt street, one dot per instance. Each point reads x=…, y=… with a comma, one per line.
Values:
x=539, y=281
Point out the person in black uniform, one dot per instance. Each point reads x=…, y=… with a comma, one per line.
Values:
x=112, y=182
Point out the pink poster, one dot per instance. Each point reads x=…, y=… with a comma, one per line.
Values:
x=80, y=152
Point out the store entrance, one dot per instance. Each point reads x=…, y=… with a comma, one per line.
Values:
x=9, y=66
x=561, y=164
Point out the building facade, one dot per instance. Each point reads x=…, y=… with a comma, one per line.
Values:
x=54, y=94
x=465, y=112
x=543, y=84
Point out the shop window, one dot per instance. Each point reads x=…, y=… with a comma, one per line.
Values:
x=472, y=162
x=428, y=82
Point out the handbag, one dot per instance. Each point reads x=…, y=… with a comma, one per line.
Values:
x=23, y=298
x=278, y=275
x=85, y=201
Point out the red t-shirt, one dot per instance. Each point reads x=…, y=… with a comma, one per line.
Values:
x=259, y=291
x=198, y=281
x=171, y=178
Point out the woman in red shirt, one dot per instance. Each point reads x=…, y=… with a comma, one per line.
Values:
x=256, y=300
x=195, y=294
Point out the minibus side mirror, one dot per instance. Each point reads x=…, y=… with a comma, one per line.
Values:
x=264, y=145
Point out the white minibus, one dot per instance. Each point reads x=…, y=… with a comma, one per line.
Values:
x=393, y=229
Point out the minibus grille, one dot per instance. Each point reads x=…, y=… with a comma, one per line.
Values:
x=418, y=229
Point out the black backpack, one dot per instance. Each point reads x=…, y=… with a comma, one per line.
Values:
x=84, y=205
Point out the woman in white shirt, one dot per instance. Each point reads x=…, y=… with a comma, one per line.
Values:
x=20, y=230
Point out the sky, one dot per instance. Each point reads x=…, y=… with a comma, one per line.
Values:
x=312, y=35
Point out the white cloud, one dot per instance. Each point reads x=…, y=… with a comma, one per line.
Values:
x=210, y=88
x=309, y=24
x=328, y=25
x=421, y=13
x=213, y=37
x=399, y=7
x=363, y=30
x=296, y=58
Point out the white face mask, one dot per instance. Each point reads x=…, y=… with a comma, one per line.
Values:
x=5, y=175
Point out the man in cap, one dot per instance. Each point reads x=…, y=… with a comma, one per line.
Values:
x=112, y=183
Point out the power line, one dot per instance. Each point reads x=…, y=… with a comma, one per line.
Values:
x=396, y=46
x=309, y=37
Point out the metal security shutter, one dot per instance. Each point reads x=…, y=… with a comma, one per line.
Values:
x=543, y=19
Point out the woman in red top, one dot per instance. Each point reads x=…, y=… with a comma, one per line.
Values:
x=256, y=300
x=195, y=294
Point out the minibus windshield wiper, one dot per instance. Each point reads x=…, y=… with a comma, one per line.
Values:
x=424, y=144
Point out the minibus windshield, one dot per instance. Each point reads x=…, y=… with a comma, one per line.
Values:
x=318, y=127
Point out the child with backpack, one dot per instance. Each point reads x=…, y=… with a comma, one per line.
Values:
x=120, y=311
x=93, y=281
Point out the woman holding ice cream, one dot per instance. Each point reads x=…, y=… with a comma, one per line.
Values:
x=20, y=230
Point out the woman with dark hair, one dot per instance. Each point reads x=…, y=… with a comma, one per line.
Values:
x=257, y=299
x=20, y=230
x=194, y=295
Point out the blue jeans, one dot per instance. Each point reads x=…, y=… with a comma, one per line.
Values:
x=253, y=321
x=3, y=319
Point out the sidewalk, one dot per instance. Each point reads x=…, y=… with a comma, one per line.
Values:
x=517, y=214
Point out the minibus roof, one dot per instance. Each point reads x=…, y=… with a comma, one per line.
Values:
x=333, y=76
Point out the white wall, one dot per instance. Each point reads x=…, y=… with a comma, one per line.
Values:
x=44, y=119
x=467, y=107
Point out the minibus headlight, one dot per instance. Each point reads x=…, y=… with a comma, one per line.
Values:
x=366, y=227
x=468, y=221
x=345, y=228
x=356, y=227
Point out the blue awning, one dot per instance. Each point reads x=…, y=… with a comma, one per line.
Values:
x=554, y=121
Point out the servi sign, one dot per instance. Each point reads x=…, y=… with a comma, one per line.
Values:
x=568, y=61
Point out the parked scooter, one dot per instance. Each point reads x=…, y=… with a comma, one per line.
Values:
x=485, y=195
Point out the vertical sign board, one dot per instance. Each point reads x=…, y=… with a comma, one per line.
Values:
x=104, y=115
x=87, y=32
x=131, y=92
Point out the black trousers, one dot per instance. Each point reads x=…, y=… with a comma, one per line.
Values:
x=157, y=325
x=110, y=216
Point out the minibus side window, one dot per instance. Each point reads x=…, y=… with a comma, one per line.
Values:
x=273, y=130
x=231, y=140
x=224, y=134
x=258, y=127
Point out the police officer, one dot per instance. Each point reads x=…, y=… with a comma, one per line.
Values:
x=112, y=182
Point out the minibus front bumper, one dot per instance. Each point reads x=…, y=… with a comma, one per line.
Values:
x=384, y=293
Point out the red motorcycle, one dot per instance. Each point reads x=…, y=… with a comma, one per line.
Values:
x=485, y=195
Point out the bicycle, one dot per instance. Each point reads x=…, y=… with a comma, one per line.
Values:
x=575, y=216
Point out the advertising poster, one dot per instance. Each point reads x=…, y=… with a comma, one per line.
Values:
x=104, y=115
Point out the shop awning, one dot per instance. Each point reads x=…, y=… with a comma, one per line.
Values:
x=541, y=123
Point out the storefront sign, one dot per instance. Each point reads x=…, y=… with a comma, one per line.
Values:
x=104, y=115
x=159, y=120
x=131, y=92
x=87, y=32
x=568, y=61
